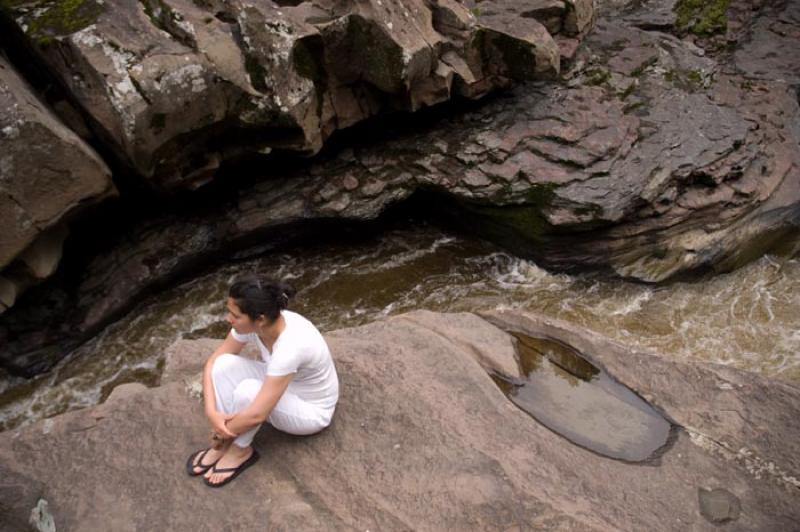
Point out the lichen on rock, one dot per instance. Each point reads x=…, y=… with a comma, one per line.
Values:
x=46, y=20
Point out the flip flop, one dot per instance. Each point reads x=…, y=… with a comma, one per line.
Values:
x=190, y=465
x=236, y=470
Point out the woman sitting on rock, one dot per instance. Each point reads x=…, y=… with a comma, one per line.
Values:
x=295, y=388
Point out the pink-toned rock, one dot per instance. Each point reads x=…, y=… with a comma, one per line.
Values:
x=423, y=438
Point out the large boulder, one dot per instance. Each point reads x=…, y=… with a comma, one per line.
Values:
x=172, y=89
x=176, y=87
x=423, y=438
x=48, y=175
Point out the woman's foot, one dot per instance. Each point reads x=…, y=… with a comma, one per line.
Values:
x=233, y=458
x=203, y=462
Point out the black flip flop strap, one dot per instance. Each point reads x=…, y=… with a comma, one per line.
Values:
x=200, y=463
x=202, y=455
x=229, y=469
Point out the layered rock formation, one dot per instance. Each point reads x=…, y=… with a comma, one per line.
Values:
x=422, y=439
x=654, y=158
x=174, y=89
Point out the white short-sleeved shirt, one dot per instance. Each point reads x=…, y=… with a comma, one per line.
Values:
x=300, y=348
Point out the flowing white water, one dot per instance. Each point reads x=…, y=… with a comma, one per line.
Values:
x=749, y=318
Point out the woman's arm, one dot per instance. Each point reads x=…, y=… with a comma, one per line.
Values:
x=259, y=410
x=229, y=345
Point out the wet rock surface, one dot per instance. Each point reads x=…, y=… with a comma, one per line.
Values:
x=719, y=505
x=422, y=438
x=570, y=396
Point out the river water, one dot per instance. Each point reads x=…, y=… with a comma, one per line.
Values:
x=749, y=318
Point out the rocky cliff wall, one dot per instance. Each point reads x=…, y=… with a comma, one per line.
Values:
x=668, y=147
x=172, y=90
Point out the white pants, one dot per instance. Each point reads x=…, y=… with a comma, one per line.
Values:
x=237, y=381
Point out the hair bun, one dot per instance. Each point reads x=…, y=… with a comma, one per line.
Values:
x=285, y=294
x=256, y=295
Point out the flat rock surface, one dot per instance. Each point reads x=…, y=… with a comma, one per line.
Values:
x=423, y=439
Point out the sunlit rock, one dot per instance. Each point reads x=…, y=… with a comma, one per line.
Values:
x=176, y=87
x=422, y=438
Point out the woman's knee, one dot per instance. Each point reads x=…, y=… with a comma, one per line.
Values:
x=245, y=392
x=298, y=421
x=293, y=425
x=222, y=363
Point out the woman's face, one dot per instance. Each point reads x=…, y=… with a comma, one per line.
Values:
x=238, y=319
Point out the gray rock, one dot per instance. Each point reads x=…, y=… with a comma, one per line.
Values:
x=423, y=438
x=719, y=505
x=654, y=15
x=653, y=161
x=176, y=87
x=19, y=496
x=47, y=176
x=173, y=89
x=757, y=58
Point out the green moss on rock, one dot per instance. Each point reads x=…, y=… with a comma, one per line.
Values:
x=159, y=13
x=695, y=77
x=628, y=91
x=632, y=107
x=596, y=77
x=514, y=225
x=54, y=18
x=650, y=61
x=9, y=5
x=689, y=80
x=702, y=17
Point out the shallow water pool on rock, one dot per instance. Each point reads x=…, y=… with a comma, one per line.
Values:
x=566, y=393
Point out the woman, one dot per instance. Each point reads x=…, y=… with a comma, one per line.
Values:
x=295, y=388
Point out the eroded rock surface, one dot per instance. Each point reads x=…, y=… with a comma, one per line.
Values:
x=173, y=89
x=177, y=86
x=423, y=439
x=653, y=159
x=47, y=175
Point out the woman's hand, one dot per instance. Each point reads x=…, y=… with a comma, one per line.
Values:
x=217, y=421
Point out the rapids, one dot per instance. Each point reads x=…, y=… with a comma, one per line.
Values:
x=749, y=318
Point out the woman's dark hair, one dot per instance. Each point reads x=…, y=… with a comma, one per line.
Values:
x=256, y=296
